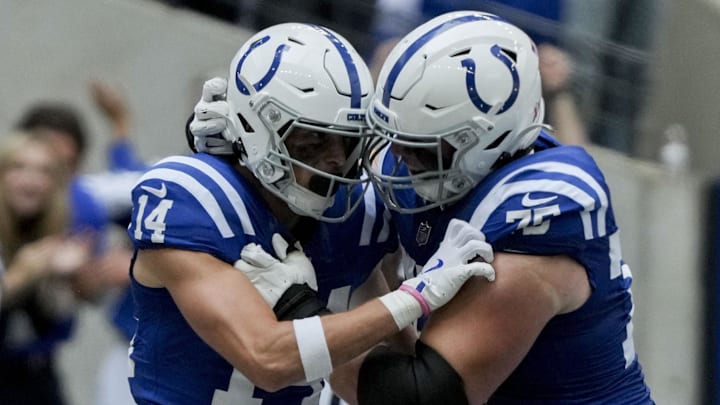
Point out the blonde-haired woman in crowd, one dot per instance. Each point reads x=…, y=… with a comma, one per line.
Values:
x=37, y=260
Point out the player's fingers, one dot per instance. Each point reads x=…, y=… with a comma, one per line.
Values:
x=207, y=127
x=255, y=255
x=213, y=88
x=463, y=231
x=480, y=269
x=280, y=246
x=474, y=248
x=302, y=269
x=207, y=110
x=245, y=267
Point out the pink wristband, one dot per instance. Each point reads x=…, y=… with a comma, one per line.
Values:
x=423, y=304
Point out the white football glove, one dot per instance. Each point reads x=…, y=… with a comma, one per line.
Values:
x=461, y=244
x=212, y=119
x=271, y=276
x=443, y=275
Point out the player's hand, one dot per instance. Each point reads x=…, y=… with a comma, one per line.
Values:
x=451, y=266
x=114, y=106
x=555, y=68
x=212, y=119
x=273, y=276
x=461, y=244
x=72, y=254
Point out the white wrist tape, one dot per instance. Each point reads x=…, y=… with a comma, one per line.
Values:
x=314, y=352
x=403, y=307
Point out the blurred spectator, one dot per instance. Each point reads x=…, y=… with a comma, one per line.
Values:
x=631, y=28
x=61, y=124
x=39, y=258
x=112, y=188
x=539, y=19
x=395, y=18
x=561, y=110
x=99, y=201
x=226, y=10
x=601, y=107
x=350, y=19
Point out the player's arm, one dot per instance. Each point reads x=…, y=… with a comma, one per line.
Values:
x=344, y=378
x=224, y=308
x=470, y=346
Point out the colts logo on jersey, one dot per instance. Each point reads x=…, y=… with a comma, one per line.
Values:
x=534, y=219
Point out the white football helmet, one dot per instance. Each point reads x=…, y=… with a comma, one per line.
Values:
x=464, y=89
x=299, y=76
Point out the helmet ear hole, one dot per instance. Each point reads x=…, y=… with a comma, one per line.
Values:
x=246, y=125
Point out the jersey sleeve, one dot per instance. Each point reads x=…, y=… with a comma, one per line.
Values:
x=177, y=205
x=546, y=207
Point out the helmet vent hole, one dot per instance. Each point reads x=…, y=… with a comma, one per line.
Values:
x=431, y=107
x=497, y=141
x=512, y=55
x=295, y=40
x=460, y=53
x=306, y=89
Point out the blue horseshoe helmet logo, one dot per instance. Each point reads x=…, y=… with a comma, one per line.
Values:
x=268, y=75
x=347, y=58
x=481, y=105
x=419, y=43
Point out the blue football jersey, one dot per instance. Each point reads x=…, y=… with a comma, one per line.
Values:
x=552, y=202
x=202, y=203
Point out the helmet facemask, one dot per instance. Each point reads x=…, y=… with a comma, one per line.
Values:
x=302, y=145
x=297, y=145
x=430, y=167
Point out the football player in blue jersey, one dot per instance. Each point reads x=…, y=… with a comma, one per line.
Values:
x=457, y=117
x=210, y=227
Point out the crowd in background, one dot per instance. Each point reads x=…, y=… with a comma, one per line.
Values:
x=608, y=45
x=57, y=245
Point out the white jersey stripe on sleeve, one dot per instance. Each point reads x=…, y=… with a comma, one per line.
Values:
x=505, y=188
x=590, y=181
x=197, y=190
x=503, y=192
x=615, y=257
x=232, y=194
